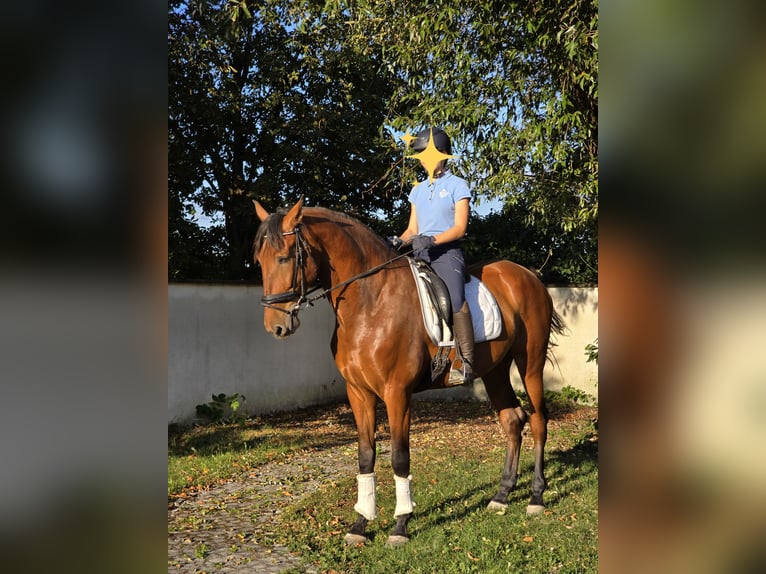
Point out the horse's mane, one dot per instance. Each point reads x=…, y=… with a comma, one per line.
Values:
x=350, y=225
x=271, y=228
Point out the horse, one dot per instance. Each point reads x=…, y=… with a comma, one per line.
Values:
x=382, y=350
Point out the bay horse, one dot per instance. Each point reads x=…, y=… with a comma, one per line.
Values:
x=381, y=347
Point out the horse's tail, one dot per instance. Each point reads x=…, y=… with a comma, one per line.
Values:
x=557, y=323
x=558, y=327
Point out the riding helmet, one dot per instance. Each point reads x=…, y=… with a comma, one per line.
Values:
x=441, y=140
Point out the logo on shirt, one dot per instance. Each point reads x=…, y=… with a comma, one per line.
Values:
x=443, y=193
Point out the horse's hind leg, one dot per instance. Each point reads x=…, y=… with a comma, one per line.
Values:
x=530, y=364
x=512, y=419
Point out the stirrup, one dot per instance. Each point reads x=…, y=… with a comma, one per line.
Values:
x=459, y=376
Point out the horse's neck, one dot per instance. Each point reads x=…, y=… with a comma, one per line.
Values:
x=342, y=253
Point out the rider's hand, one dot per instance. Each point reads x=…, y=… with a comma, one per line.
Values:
x=395, y=242
x=420, y=246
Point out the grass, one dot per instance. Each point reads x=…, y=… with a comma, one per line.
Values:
x=457, y=456
x=451, y=530
x=202, y=456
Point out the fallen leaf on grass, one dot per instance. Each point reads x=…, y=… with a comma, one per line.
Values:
x=528, y=538
x=472, y=557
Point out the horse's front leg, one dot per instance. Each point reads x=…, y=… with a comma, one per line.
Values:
x=398, y=408
x=363, y=406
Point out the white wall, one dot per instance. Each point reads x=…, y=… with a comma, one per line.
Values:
x=217, y=344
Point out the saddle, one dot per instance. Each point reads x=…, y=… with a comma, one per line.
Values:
x=436, y=311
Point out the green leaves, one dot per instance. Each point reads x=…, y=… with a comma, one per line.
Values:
x=238, y=8
x=292, y=99
x=222, y=407
x=591, y=351
x=277, y=102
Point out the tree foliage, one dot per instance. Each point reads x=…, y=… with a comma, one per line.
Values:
x=277, y=99
x=267, y=104
x=514, y=83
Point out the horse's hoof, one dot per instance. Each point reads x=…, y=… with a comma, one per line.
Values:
x=534, y=509
x=395, y=540
x=496, y=506
x=355, y=539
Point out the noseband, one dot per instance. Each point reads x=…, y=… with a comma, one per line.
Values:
x=294, y=294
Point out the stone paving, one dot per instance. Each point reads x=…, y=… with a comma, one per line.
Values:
x=229, y=528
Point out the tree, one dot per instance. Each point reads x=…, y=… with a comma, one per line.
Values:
x=276, y=99
x=514, y=84
x=268, y=104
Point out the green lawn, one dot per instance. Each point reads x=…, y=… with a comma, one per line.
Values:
x=457, y=457
x=451, y=530
x=201, y=456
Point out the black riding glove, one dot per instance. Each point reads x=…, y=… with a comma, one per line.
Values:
x=420, y=246
x=395, y=242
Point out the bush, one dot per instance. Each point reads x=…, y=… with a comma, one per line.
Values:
x=223, y=408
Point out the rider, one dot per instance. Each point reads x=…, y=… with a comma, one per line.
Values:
x=439, y=208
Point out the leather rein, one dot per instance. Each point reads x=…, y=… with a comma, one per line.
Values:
x=300, y=297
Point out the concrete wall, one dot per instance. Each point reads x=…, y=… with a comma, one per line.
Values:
x=217, y=344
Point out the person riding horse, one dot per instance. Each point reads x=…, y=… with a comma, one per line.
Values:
x=439, y=208
x=385, y=356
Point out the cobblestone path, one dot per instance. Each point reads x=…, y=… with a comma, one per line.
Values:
x=228, y=528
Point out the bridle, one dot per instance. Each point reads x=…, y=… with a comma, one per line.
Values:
x=300, y=297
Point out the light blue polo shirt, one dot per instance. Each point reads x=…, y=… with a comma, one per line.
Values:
x=435, y=202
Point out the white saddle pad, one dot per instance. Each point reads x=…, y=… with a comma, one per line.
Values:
x=485, y=314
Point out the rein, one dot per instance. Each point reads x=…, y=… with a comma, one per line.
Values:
x=301, y=298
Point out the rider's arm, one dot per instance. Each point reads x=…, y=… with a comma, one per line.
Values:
x=412, y=226
x=457, y=231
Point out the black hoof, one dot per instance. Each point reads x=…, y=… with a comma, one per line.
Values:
x=398, y=535
x=357, y=534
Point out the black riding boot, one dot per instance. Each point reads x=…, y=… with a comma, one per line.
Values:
x=463, y=327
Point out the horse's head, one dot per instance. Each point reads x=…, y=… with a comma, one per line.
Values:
x=287, y=265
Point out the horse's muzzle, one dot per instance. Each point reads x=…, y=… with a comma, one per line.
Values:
x=286, y=326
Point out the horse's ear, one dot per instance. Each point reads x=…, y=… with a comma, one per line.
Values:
x=293, y=217
x=260, y=211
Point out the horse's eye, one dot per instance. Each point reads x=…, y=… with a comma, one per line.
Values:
x=282, y=260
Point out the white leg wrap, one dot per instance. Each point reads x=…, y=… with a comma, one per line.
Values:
x=365, y=502
x=404, y=503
